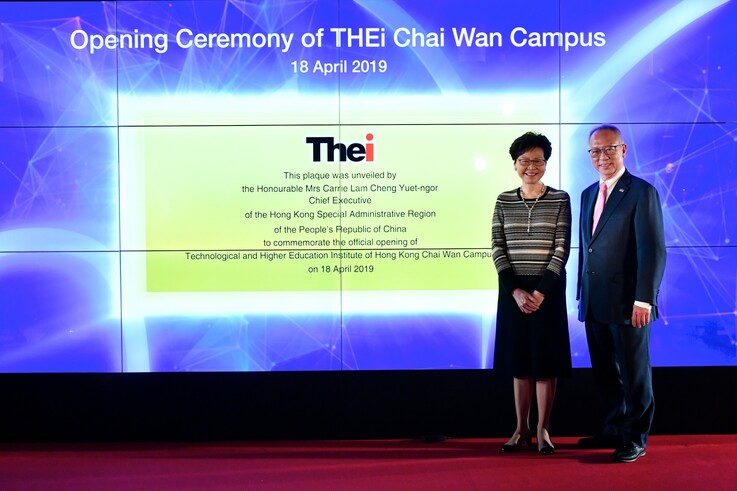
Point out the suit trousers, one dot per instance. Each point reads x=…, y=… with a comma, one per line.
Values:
x=620, y=360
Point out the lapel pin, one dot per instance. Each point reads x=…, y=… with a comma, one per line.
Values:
x=621, y=190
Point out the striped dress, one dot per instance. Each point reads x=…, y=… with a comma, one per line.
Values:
x=530, y=247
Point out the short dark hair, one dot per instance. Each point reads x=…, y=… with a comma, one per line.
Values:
x=528, y=141
x=606, y=127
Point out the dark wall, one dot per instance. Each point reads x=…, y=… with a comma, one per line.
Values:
x=330, y=405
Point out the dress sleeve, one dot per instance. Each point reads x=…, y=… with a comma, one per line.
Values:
x=507, y=278
x=561, y=248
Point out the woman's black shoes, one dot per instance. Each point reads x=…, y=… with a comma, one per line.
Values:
x=545, y=448
x=517, y=443
x=543, y=442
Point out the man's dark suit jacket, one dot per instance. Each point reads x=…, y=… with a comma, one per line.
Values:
x=624, y=259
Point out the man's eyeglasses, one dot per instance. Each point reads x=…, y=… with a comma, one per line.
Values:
x=608, y=151
x=527, y=162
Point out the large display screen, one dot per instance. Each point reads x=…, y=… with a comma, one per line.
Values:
x=309, y=184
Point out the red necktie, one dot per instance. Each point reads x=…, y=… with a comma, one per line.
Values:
x=599, y=205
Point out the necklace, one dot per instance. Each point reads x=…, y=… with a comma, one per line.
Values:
x=530, y=208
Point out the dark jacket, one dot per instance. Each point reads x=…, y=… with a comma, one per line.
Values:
x=624, y=259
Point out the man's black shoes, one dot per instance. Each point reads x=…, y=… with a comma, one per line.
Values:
x=628, y=453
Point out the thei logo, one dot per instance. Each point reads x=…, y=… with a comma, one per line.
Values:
x=325, y=148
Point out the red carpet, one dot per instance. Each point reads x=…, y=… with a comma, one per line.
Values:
x=672, y=463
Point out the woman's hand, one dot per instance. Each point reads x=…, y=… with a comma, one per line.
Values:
x=527, y=303
x=539, y=297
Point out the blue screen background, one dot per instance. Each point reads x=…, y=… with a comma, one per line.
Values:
x=667, y=76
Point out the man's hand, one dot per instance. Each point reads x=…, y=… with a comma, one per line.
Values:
x=640, y=316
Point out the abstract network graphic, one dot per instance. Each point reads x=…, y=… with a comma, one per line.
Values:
x=308, y=185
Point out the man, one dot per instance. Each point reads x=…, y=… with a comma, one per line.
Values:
x=620, y=266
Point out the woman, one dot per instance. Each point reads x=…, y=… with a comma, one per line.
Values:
x=531, y=237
